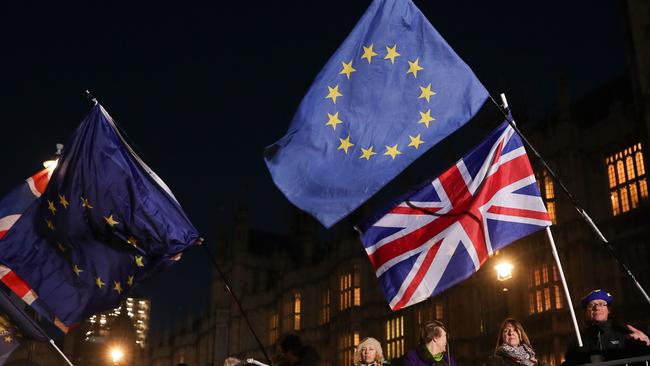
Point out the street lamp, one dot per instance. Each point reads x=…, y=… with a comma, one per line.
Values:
x=50, y=164
x=504, y=271
x=116, y=355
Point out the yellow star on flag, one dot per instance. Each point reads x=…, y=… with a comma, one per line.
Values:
x=426, y=92
x=333, y=93
x=61, y=247
x=367, y=153
x=85, y=203
x=99, y=282
x=110, y=220
x=333, y=120
x=77, y=270
x=50, y=224
x=368, y=53
x=139, y=261
x=345, y=144
x=392, y=151
x=8, y=339
x=50, y=206
x=129, y=280
x=416, y=141
x=132, y=240
x=347, y=69
x=117, y=287
x=391, y=53
x=414, y=67
x=425, y=117
x=64, y=202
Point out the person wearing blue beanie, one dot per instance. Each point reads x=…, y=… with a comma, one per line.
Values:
x=602, y=339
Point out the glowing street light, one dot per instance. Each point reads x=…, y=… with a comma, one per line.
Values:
x=117, y=354
x=504, y=271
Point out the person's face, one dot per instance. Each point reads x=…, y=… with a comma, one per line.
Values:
x=441, y=340
x=368, y=353
x=511, y=336
x=597, y=310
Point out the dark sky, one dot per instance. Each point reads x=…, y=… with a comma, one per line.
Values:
x=202, y=88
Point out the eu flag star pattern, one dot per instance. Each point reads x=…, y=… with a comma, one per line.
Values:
x=392, y=90
x=104, y=222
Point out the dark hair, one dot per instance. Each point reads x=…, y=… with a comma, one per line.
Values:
x=291, y=343
x=430, y=330
x=523, y=337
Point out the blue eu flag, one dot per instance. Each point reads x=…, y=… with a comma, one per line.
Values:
x=392, y=90
x=104, y=222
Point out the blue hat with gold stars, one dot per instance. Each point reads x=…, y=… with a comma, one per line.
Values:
x=597, y=295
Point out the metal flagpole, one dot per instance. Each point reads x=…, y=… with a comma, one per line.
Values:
x=35, y=325
x=580, y=210
x=234, y=297
x=564, y=285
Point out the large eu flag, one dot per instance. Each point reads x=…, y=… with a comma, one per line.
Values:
x=104, y=222
x=392, y=90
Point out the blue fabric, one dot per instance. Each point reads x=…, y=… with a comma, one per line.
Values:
x=82, y=259
x=9, y=338
x=597, y=295
x=381, y=105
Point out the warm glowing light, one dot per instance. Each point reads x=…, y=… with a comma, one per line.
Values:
x=504, y=271
x=116, y=354
x=50, y=164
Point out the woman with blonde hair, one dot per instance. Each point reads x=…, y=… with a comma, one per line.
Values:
x=513, y=347
x=368, y=353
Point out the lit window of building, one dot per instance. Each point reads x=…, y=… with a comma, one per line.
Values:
x=547, y=189
x=395, y=337
x=136, y=309
x=274, y=325
x=627, y=180
x=439, y=311
x=350, y=289
x=543, y=290
x=297, y=304
x=347, y=344
x=325, y=307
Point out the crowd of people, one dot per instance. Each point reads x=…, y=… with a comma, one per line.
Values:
x=603, y=340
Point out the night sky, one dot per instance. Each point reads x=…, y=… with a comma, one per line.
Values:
x=201, y=89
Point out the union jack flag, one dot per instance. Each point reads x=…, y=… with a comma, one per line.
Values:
x=441, y=234
x=12, y=207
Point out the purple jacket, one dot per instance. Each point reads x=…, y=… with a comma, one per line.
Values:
x=422, y=357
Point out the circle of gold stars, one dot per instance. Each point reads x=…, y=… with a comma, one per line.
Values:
x=337, y=91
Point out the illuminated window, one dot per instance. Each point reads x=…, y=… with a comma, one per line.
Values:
x=347, y=344
x=439, y=311
x=395, y=337
x=297, y=303
x=628, y=185
x=274, y=331
x=547, y=187
x=325, y=307
x=544, y=293
x=350, y=289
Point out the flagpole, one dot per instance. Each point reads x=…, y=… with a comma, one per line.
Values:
x=234, y=297
x=564, y=285
x=35, y=325
x=580, y=210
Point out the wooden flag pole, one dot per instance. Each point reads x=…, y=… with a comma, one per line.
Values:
x=564, y=285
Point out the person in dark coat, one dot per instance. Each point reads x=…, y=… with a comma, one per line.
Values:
x=602, y=339
x=432, y=350
x=296, y=354
x=513, y=347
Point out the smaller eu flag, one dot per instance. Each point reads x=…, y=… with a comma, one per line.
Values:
x=10, y=338
x=104, y=222
x=392, y=90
